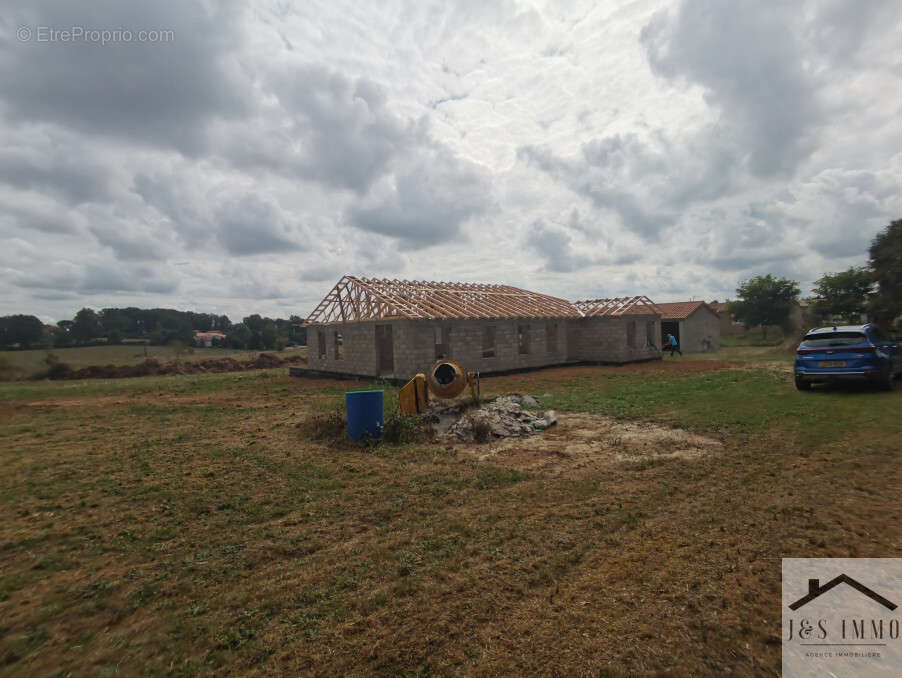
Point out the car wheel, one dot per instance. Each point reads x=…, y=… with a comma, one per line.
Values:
x=803, y=385
x=884, y=381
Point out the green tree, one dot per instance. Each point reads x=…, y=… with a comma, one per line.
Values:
x=61, y=335
x=268, y=336
x=239, y=336
x=296, y=333
x=85, y=326
x=844, y=294
x=114, y=322
x=23, y=330
x=886, y=266
x=254, y=322
x=765, y=300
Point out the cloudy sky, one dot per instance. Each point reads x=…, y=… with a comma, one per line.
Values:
x=241, y=156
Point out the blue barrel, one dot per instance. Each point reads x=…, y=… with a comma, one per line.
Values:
x=365, y=414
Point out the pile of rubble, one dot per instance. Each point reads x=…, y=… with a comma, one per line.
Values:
x=504, y=417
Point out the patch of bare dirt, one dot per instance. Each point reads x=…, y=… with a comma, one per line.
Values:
x=582, y=442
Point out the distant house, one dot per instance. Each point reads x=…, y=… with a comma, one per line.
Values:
x=695, y=325
x=727, y=324
x=207, y=338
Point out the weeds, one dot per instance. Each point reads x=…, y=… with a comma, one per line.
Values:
x=6, y=367
x=403, y=428
x=330, y=426
x=482, y=430
x=57, y=370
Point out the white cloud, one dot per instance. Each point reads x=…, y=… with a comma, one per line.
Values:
x=581, y=149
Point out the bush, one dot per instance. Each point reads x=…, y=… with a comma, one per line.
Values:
x=6, y=368
x=482, y=430
x=58, y=370
x=402, y=428
x=331, y=426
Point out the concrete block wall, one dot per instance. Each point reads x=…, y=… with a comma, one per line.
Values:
x=700, y=332
x=415, y=344
x=648, y=328
x=578, y=339
x=606, y=339
x=358, y=349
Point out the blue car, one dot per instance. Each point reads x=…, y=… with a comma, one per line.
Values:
x=847, y=352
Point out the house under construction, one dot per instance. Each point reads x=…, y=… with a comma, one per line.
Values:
x=397, y=328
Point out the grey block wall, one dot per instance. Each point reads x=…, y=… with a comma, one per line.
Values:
x=415, y=349
x=606, y=339
x=414, y=344
x=700, y=332
x=358, y=349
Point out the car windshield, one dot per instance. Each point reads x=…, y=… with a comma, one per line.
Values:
x=833, y=339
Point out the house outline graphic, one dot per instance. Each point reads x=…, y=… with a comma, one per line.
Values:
x=815, y=590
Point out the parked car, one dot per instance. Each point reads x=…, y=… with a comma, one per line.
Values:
x=847, y=352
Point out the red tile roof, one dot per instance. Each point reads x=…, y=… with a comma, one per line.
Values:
x=680, y=310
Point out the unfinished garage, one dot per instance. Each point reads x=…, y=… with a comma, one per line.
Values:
x=695, y=325
x=397, y=328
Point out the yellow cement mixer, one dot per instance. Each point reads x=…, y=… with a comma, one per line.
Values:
x=445, y=379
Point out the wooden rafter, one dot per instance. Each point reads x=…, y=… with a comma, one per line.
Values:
x=617, y=306
x=358, y=299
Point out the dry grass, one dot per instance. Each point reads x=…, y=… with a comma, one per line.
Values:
x=195, y=526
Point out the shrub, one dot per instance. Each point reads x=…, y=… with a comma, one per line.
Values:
x=59, y=370
x=482, y=430
x=331, y=426
x=6, y=368
x=402, y=428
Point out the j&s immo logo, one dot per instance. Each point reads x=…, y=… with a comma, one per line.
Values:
x=849, y=625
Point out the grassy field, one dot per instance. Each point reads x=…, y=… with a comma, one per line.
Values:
x=27, y=363
x=190, y=525
x=751, y=338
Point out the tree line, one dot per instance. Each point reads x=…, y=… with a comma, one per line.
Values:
x=874, y=290
x=157, y=326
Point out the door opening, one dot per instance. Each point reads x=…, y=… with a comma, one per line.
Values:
x=385, y=350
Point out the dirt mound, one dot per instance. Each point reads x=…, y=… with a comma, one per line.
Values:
x=220, y=365
x=265, y=361
x=507, y=416
x=586, y=441
x=151, y=366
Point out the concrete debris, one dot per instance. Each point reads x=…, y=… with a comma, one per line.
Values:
x=503, y=417
x=529, y=401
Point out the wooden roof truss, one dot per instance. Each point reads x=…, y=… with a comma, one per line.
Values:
x=640, y=305
x=359, y=299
